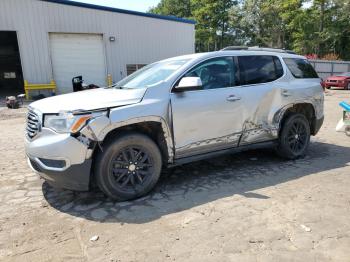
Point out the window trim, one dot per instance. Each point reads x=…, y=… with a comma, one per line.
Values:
x=188, y=70
x=295, y=58
x=235, y=61
x=274, y=63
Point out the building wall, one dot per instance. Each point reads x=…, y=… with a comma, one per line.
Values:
x=139, y=40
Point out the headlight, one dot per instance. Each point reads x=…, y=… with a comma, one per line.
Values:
x=68, y=122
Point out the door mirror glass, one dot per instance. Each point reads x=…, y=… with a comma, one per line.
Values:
x=189, y=83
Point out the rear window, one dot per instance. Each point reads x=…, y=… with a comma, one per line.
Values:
x=259, y=69
x=300, y=68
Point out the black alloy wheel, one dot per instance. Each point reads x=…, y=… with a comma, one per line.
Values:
x=128, y=167
x=297, y=137
x=131, y=168
x=294, y=137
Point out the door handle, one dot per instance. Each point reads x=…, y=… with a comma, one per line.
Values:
x=286, y=93
x=233, y=98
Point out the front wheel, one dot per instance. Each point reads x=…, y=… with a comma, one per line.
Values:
x=129, y=167
x=294, y=137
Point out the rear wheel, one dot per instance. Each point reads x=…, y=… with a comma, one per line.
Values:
x=129, y=167
x=294, y=137
x=348, y=86
x=347, y=130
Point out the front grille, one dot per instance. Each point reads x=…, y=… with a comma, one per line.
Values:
x=33, y=123
x=333, y=81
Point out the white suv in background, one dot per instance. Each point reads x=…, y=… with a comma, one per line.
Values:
x=172, y=112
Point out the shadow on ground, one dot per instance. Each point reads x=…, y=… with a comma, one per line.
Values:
x=195, y=184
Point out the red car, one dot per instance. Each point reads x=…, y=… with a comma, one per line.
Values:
x=339, y=81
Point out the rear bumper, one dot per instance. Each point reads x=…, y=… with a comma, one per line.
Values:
x=75, y=177
x=317, y=125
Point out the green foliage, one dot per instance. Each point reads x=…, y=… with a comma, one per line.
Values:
x=212, y=17
x=320, y=26
x=179, y=8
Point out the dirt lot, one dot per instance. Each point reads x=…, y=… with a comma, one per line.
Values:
x=247, y=207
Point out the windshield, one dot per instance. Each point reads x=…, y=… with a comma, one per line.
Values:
x=151, y=75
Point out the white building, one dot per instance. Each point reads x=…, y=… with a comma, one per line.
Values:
x=44, y=40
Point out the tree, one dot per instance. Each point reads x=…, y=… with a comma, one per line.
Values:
x=323, y=28
x=266, y=22
x=179, y=8
x=304, y=32
x=319, y=27
x=338, y=28
x=212, y=18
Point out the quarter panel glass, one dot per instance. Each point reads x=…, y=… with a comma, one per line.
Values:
x=300, y=68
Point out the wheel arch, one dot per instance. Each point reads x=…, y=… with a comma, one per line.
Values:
x=154, y=127
x=305, y=108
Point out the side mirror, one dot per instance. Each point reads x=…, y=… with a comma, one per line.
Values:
x=189, y=83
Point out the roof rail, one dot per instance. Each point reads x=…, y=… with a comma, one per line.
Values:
x=229, y=48
x=257, y=48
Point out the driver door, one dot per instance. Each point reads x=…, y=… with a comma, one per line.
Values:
x=208, y=119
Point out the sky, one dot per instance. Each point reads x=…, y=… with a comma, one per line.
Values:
x=135, y=5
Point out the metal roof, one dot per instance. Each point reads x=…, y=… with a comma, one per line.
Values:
x=122, y=11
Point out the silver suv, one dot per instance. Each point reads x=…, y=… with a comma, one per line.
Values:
x=172, y=112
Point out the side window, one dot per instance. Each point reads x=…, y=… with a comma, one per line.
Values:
x=300, y=68
x=259, y=69
x=215, y=73
x=278, y=67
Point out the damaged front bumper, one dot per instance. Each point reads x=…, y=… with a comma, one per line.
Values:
x=76, y=177
x=62, y=160
x=65, y=160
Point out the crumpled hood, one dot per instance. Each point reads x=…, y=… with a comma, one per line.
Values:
x=89, y=100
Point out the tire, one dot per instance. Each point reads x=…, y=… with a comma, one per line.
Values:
x=347, y=130
x=348, y=87
x=294, y=137
x=129, y=167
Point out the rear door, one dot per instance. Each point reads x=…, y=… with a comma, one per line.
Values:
x=260, y=94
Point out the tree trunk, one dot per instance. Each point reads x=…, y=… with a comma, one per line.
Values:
x=222, y=35
x=321, y=28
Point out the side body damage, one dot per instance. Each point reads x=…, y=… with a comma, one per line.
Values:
x=185, y=126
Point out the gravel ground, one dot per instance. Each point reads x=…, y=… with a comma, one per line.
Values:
x=251, y=206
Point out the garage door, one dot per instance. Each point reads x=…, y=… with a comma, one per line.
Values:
x=77, y=54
